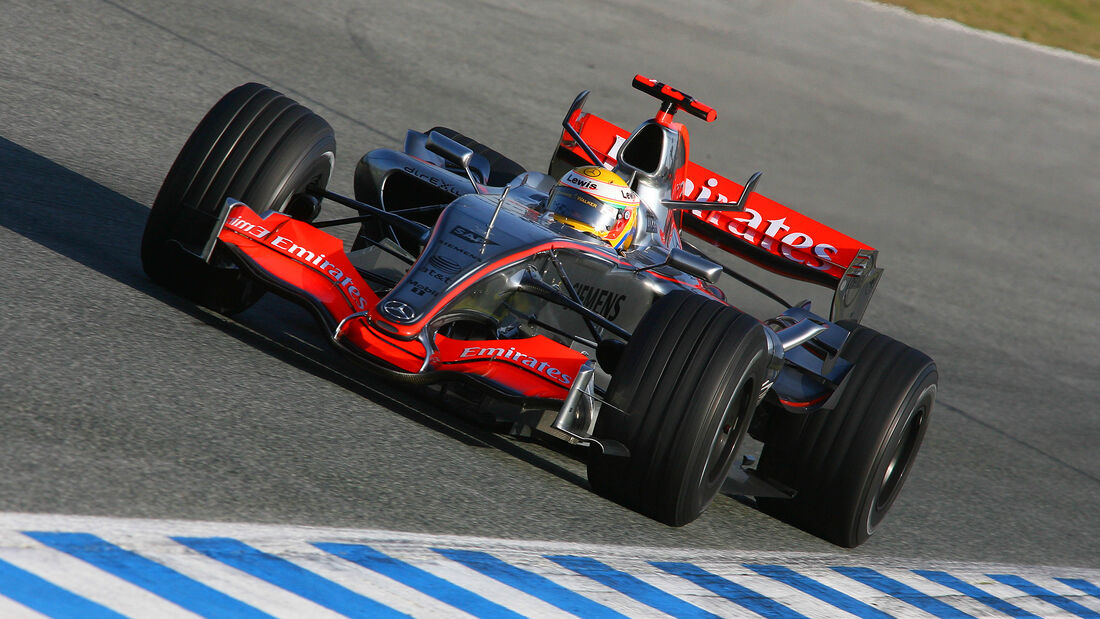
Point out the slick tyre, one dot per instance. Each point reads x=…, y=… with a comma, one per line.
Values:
x=848, y=465
x=681, y=399
x=255, y=145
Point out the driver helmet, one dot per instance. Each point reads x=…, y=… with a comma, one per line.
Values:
x=595, y=200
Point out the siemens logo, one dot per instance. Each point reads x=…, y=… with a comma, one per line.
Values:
x=604, y=302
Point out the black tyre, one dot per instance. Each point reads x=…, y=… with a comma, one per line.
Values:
x=686, y=386
x=848, y=465
x=255, y=145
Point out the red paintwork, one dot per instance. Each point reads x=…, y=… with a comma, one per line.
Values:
x=806, y=404
x=314, y=263
x=300, y=255
x=764, y=225
x=536, y=366
x=709, y=113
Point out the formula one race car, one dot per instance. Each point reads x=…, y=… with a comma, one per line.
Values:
x=569, y=304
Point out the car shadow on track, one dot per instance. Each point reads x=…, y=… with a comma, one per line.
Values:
x=84, y=221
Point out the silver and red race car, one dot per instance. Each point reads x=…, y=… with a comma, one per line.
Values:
x=563, y=312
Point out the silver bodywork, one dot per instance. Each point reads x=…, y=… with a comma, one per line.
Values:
x=484, y=224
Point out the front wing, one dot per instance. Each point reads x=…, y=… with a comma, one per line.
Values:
x=310, y=266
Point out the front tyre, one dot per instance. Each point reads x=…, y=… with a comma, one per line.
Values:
x=685, y=389
x=848, y=465
x=255, y=145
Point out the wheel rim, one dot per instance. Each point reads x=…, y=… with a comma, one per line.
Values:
x=312, y=184
x=725, y=438
x=896, y=470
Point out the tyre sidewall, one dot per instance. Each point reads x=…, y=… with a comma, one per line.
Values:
x=697, y=491
x=837, y=460
x=690, y=358
x=254, y=145
x=867, y=511
x=290, y=172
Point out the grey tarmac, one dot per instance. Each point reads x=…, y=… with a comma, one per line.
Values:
x=969, y=162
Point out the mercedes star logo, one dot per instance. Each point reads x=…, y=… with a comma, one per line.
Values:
x=399, y=310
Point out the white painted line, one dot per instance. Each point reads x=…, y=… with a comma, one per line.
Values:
x=786, y=594
x=1067, y=591
x=587, y=587
x=520, y=562
x=356, y=578
x=1057, y=588
x=472, y=580
x=681, y=588
x=946, y=594
x=10, y=609
x=1009, y=594
x=84, y=579
x=864, y=593
x=247, y=588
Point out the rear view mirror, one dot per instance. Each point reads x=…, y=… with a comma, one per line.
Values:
x=693, y=265
x=449, y=149
x=459, y=155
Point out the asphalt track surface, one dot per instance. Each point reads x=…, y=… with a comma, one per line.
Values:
x=969, y=162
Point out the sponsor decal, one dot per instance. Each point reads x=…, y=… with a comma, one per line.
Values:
x=436, y=268
x=573, y=179
x=706, y=192
x=584, y=199
x=420, y=289
x=248, y=228
x=399, y=310
x=781, y=234
x=600, y=189
x=432, y=180
x=751, y=226
x=542, y=367
x=439, y=276
x=443, y=264
x=319, y=261
x=604, y=302
x=458, y=248
x=470, y=236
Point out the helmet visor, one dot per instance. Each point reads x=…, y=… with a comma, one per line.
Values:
x=580, y=207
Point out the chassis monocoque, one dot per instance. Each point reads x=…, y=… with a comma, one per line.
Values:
x=458, y=277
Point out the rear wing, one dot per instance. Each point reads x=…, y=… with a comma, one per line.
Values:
x=766, y=233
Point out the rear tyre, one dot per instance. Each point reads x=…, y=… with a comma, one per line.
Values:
x=255, y=145
x=848, y=465
x=686, y=387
